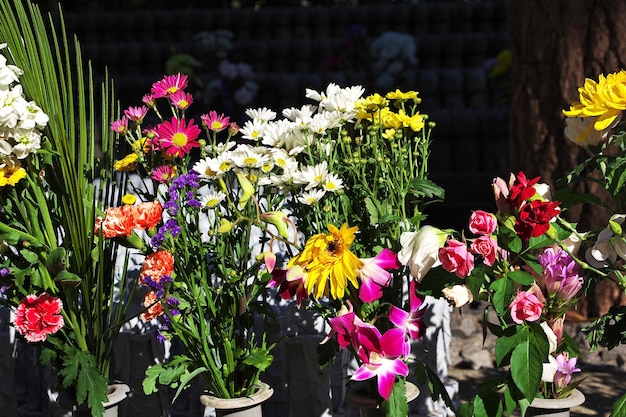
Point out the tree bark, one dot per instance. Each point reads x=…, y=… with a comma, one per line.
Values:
x=555, y=45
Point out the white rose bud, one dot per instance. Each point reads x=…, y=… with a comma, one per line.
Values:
x=458, y=295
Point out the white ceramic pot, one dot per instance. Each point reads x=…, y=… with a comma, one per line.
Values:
x=239, y=407
x=555, y=407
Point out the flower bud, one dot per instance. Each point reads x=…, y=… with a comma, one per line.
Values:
x=616, y=228
x=247, y=189
x=278, y=219
x=225, y=226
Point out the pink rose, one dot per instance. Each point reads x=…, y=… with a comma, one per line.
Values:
x=487, y=247
x=526, y=306
x=455, y=257
x=482, y=223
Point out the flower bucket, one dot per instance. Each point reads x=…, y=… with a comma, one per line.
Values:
x=116, y=394
x=367, y=404
x=239, y=407
x=555, y=407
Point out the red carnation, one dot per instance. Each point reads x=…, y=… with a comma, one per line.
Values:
x=38, y=316
x=521, y=190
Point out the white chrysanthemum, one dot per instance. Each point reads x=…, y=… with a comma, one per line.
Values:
x=311, y=197
x=343, y=101
x=220, y=147
x=301, y=116
x=245, y=156
x=212, y=199
x=312, y=176
x=262, y=115
x=332, y=183
x=252, y=130
x=276, y=132
x=284, y=180
x=282, y=159
x=211, y=168
x=331, y=90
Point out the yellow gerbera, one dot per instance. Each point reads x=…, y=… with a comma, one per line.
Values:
x=327, y=258
x=128, y=163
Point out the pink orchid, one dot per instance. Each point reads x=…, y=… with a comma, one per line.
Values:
x=374, y=274
x=410, y=323
x=288, y=285
x=381, y=358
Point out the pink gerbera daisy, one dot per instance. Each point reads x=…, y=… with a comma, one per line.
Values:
x=169, y=85
x=120, y=126
x=215, y=122
x=148, y=100
x=175, y=138
x=181, y=100
x=136, y=114
x=163, y=174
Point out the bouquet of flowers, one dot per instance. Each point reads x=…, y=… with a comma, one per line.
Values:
x=374, y=151
x=56, y=269
x=522, y=261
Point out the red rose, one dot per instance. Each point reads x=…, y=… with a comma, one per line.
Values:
x=455, y=257
x=38, y=316
x=525, y=306
x=482, y=223
x=534, y=218
x=487, y=247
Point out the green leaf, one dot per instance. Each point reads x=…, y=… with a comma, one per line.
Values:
x=80, y=371
x=487, y=404
x=326, y=352
x=422, y=187
x=396, y=405
x=509, y=402
x=68, y=278
x=372, y=210
x=436, y=388
x=465, y=410
x=503, y=290
x=619, y=407
x=521, y=277
x=30, y=256
x=185, y=380
x=150, y=381
x=504, y=346
x=526, y=369
x=259, y=358
x=568, y=198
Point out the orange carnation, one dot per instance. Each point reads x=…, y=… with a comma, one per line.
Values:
x=118, y=221
x=156, y=265
x=153, y=306
x=148, y=214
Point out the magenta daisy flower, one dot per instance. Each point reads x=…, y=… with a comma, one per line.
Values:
x=163, y=174
x=148, y=100
x=136, y=114
x=175, y=138
x=120, y=126
x=181, y=99
x=169, y=85
x=215, y=122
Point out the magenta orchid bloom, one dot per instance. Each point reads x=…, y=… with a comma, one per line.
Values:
x=381, y=357
x=410, y=323
x=375, y=275
x=347, y=326
x=288, y=285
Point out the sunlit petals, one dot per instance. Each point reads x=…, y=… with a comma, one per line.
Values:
x=169, y=85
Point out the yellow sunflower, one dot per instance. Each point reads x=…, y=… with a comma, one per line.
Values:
x=327, y=258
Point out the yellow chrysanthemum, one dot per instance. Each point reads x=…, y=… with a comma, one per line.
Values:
x=389, y=119
x=415, y=122
x=128, y=163
x=10, y=175
x=142, y=146
x=399, y=95
x=605, y=99
x=328, y=262
x=129, y=199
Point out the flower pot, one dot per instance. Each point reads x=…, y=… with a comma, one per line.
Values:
x=116, y=394
x=555, y=407
x=239, y=407
x=367, y=403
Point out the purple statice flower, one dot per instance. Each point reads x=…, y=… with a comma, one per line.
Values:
x=172, y=227
x=161, y=337
x=561, y=274
x=4, y=272
x=4, y=289
x=171, y=206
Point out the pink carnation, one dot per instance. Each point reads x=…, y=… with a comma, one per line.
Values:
x=38, y=316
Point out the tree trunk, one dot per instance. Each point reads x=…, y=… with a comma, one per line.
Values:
x=555, y=45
